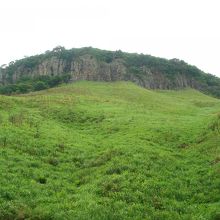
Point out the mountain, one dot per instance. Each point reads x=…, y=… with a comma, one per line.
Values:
x=61, y=65
x=101, y=150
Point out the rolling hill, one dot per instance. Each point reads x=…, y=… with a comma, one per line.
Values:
x=60, y=65
x=109, y=150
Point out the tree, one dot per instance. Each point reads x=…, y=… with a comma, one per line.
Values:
x=58, y=49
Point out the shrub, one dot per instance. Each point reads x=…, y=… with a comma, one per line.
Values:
x=53, y=161
x=42, y=180
x=24, y=88
x=40, y=85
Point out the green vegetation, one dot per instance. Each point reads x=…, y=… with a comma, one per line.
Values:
x=94, y=150
x=26, y=84
x=134, y=63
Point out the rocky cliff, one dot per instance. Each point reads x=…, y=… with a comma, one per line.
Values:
x=84, y=67
x=93, y=64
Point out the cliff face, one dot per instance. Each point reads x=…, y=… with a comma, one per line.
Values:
x=146, y=71
x=88, y=68
x=157, y=80
x=82, y=68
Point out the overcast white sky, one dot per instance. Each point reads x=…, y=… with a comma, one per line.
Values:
x=184, y=29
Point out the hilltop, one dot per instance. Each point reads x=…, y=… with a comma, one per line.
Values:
x=61, y=65
x=103, y=150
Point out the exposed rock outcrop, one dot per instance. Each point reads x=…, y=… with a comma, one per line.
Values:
x=147, y=71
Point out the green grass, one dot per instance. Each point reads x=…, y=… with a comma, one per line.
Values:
x=94, y=150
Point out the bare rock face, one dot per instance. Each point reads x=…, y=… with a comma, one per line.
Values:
x=88, y=67
x=51, y=67
x=1, y=76
x=157, y=80
x=84, y=67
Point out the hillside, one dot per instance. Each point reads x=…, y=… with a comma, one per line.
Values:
x=61, y=65
x=98, y=150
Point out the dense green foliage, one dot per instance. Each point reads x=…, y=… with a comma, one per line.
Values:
x=94, y=150
x=25, y=84
x=134, y=63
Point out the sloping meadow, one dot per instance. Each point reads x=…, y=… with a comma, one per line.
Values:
x=94, y=150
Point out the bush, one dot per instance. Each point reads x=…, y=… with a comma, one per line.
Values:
x=26, y=84
x=40, y=85
x=54, y=81
x=42, y=180
x=53, y=161
x=24, y=88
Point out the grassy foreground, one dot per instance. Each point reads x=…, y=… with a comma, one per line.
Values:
x=94, y=150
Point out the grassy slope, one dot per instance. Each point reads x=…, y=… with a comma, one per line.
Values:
x=109, y=151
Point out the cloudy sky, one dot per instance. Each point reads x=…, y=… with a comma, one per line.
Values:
x=184, y=29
